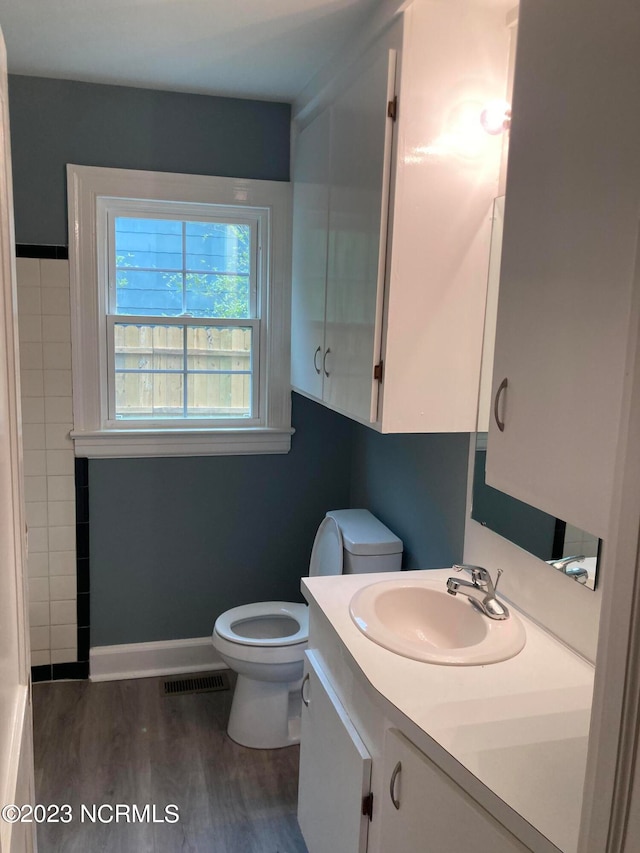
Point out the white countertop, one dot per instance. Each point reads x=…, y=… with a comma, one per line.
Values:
x=521, y=726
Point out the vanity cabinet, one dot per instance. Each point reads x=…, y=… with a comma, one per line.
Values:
x=568, y=262
x=423, y=809
x=355, y=761
x=335, y=770
x=396, y=179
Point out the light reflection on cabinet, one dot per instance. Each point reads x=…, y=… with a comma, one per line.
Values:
x=407, y=216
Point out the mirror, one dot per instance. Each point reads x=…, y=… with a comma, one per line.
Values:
x=550, y=539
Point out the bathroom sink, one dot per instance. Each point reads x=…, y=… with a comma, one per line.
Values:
x=418, y=619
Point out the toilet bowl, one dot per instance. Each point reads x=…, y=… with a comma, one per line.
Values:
x=265, y=642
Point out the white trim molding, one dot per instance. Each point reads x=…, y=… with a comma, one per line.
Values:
x=144, y=660
x=95, y=433
x=123, y=444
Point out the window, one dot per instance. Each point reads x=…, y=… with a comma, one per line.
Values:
x=180, y=333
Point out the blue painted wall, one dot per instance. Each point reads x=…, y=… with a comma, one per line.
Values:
x=174, y=542
x=55, y=122
x=416, y=485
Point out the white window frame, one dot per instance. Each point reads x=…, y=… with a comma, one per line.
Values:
x=96, y=195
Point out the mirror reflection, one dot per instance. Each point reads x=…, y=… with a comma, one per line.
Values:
x=571, y=550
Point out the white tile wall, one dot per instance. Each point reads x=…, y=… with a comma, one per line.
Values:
x=45, y=375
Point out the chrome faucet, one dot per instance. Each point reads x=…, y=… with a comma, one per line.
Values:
x=578, y=573
x=480, y=590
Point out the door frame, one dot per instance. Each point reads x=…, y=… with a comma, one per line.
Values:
x=15, y=712
x=610, y=797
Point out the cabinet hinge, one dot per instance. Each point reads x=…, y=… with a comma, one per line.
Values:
x=367, y=806
x=392, y=108
x=377, y=371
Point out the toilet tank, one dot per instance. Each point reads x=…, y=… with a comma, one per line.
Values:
x=368, y=545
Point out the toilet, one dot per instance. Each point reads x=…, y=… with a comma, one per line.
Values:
x=264, y=643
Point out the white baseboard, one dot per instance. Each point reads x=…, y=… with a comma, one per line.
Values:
x=143, y=660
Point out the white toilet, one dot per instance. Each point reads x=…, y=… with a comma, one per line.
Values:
x=265, y=642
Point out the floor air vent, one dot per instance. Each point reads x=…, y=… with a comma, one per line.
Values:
x=196, y=684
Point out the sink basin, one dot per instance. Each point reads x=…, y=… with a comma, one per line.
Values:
x=419, y=619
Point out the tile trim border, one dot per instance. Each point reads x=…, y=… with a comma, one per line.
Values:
x=31, y=250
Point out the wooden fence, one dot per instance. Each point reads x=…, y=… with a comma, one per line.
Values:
x=216, y=373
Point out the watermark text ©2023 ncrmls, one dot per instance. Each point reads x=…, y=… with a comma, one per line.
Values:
x=91, y=813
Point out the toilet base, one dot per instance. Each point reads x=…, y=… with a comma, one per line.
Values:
x=264, y=714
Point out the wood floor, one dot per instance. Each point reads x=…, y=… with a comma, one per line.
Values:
x=125, y=742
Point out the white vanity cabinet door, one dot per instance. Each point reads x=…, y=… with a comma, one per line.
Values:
x=434, y=815
x=335, y=771
x=568, y=259
x=361, y=133
x=309, y=262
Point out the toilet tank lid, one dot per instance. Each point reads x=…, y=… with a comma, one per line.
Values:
x=363, y=533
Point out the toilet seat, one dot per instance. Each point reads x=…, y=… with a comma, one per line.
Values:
x=229, y=624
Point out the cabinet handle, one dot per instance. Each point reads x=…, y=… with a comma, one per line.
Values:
x=496, y=403
x=304, y=681
x=392, y=784
x=324, y=363
x=315, y=360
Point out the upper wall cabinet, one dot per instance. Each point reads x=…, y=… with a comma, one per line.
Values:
x=393, y=188
x=309, y=262
x=568, y=259
x=340, y=198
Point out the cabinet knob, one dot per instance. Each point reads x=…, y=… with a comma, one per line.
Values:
x=496, y=403
x=302, y=696
x=392, y=784
x=324, y=363
x=315, y=360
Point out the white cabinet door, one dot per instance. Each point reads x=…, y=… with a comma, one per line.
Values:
x=433, y=815
x=309, y=270
x=568, y=258
x=360, y=161
x=335, y=771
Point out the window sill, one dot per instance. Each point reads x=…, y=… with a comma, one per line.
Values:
x=127, y=443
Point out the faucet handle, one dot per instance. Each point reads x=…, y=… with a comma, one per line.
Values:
x=478, y=574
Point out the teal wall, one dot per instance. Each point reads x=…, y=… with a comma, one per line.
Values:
x=55, y=122
x=416, y=485
x=174, y=542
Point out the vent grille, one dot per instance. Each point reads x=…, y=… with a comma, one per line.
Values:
x=196, y=684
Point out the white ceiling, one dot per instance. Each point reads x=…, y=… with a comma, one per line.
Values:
x=267, y=49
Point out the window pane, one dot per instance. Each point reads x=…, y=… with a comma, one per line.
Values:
x=141, y=395
x=219, y=365
x=218, y=247
x=148, y=243
x=216, y=395
x=146, y=292
x=170, y=267
x=147, y=348
x=218, y=296
x=219, y=348
x=152, y=380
